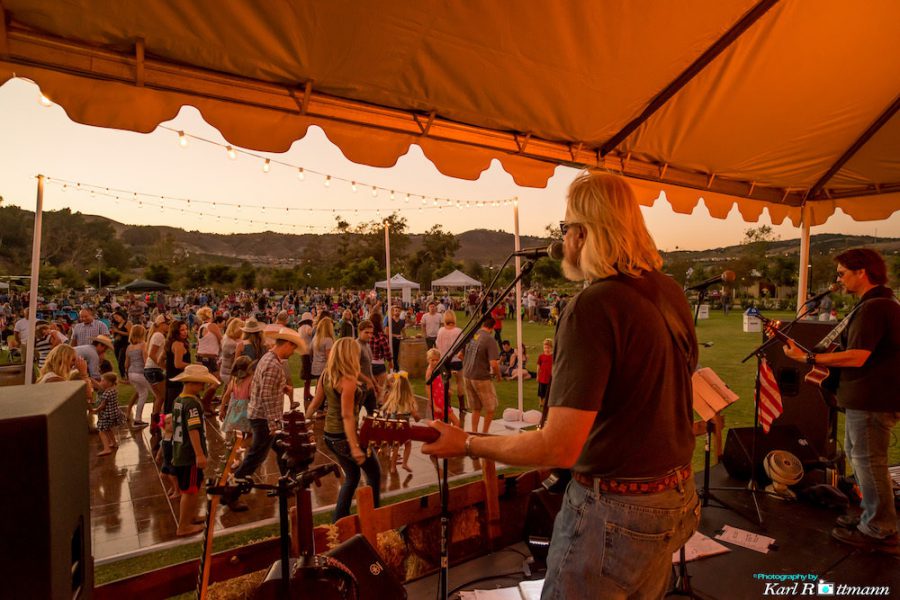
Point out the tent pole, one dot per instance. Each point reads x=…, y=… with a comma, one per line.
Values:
x=518, y=301
x=387, y=266
x=803, y=279
x=35, y=273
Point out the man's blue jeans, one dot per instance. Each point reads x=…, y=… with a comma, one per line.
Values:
x=259, y=448
x=867, y=435
x=618, y=546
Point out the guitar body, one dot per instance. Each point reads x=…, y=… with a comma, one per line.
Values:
x=212, y=507
x=312, y=577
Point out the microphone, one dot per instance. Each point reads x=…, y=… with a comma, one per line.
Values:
x=834, y=287
x=726, y=277
x=554, y=250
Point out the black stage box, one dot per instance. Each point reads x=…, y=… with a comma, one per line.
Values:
x=45, y=519
x=804, y=406
x=739, y=449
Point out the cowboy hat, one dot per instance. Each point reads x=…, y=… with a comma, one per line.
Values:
x=196, y=374
x=103, y=339
x=289, y=335
x=160, y=319
x=252, y=326
x=306, y=317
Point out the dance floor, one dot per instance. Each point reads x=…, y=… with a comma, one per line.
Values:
x=130, y=513
x=803, y=553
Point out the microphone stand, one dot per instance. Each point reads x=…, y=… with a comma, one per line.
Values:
x=442, y=370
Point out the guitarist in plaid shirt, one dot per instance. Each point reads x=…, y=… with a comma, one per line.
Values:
x=869, y=391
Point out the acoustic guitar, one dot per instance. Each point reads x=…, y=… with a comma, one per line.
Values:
x=820, y=376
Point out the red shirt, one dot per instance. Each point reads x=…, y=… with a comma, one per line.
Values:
x=545, y=367
x=499, y=314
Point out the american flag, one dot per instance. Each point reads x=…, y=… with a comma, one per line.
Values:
x=770, y=407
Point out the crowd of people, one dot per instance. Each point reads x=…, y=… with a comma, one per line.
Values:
x=203, y=355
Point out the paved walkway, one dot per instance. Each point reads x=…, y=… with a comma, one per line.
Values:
x=130, y=513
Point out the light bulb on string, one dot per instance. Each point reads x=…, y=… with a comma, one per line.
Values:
x=392, y=194
x=65, y=187
x=266, y=166
x=353, y=185
x=300, y=174
x=182, y=139
x=424, y=201
x=374, y=192
x=231, y=153
x=435, y=201
x=45, y=101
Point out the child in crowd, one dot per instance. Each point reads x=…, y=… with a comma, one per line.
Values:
x=435, y=391
x=189, y=444
x=400, y=404
x=164, y=457
x=109, y=417
x=545, y=372
x=233, y=410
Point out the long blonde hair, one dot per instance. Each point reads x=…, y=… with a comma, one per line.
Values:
x=324, y=329
x=233, y=328
x=343, y=361
x=616, y=240
x=400, y=398
x=59, y=361
x=136, y=335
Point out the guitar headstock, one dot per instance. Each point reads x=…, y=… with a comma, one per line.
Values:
x=376, y=431
x=295, y=443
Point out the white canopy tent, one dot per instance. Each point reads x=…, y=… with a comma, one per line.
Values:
x=456, y=279
x=401, y=282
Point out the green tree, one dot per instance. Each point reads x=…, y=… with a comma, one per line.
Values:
x=362, y=273
x=246, y=276
x=220, y=275
x=158, y=272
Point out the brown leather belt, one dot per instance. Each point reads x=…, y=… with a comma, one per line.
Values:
x=629, y=487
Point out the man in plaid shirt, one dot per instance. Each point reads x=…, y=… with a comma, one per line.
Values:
x=87, y=329
x=266, y=405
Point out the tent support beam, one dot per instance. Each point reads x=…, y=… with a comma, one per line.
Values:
x=720, y=45
x=35, y=275
x=803, y=283
x=816, y=191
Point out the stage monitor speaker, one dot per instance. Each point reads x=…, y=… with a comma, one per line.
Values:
x=45, y=519
x=804, y=406
x=739, y=449
x=374, y=578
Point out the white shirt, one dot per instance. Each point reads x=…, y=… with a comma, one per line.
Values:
x=446, y=338
x=157, y=339
x=21, y=328
x=432, y=324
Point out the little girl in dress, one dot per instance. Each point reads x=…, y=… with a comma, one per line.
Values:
x=233, y=410
x=400, y=404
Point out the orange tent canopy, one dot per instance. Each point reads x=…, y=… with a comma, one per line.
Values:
x=789, y=106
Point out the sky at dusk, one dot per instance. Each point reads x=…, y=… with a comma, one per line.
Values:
x=38, y=139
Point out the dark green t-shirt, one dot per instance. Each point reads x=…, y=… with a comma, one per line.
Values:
x=614, y=355
x=875, y=327
x=187, y=414
x=480, y=351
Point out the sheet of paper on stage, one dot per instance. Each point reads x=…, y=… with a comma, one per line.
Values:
x=510, y=593
x=711, y=395
x=531, y=590
x=744, y=538
x=699, y=546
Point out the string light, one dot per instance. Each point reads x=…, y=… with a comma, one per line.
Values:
x=45, y=101
x=182, y=139
x=266, y=166
x=374, y=192
x=231, y=153
x=392, y=195
x=300, y=174
x=328, y=181
x=353, y=185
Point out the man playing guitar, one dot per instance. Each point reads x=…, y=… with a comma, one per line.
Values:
x=869, y=391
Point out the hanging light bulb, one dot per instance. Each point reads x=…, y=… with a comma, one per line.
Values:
x=353, y=185
x=45, y=101
x=182, y=139
x=392, y=194
x=64, y=187
x=374, y=192
x=328, y=181
x=300, y=174
x=424, y=201
x=435, y=201
x=266, y=166
x=231, y=153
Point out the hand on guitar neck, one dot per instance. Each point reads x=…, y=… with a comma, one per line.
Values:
x=379, y=431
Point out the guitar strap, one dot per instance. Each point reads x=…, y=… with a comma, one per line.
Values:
x=835, y=333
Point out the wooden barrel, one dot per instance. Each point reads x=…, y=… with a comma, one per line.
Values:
x=412, y=356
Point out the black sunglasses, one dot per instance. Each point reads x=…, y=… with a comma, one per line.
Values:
x=564, y=227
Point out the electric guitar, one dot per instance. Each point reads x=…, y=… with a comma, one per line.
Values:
x=208, y=531
x=818, y=375
x=376, y=432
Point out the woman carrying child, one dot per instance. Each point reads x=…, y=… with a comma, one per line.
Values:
x=400, y=404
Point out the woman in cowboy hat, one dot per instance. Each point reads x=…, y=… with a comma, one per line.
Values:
x=189, y=448
x=252, y=346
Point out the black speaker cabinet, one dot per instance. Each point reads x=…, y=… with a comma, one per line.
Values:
x=739, y=449
x=804, y=406
x=375, y=580
x=45, y=520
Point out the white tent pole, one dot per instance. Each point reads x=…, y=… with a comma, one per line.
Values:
x=518, y=301
x=803, y=283
x=387, y=265
x=35, y=274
